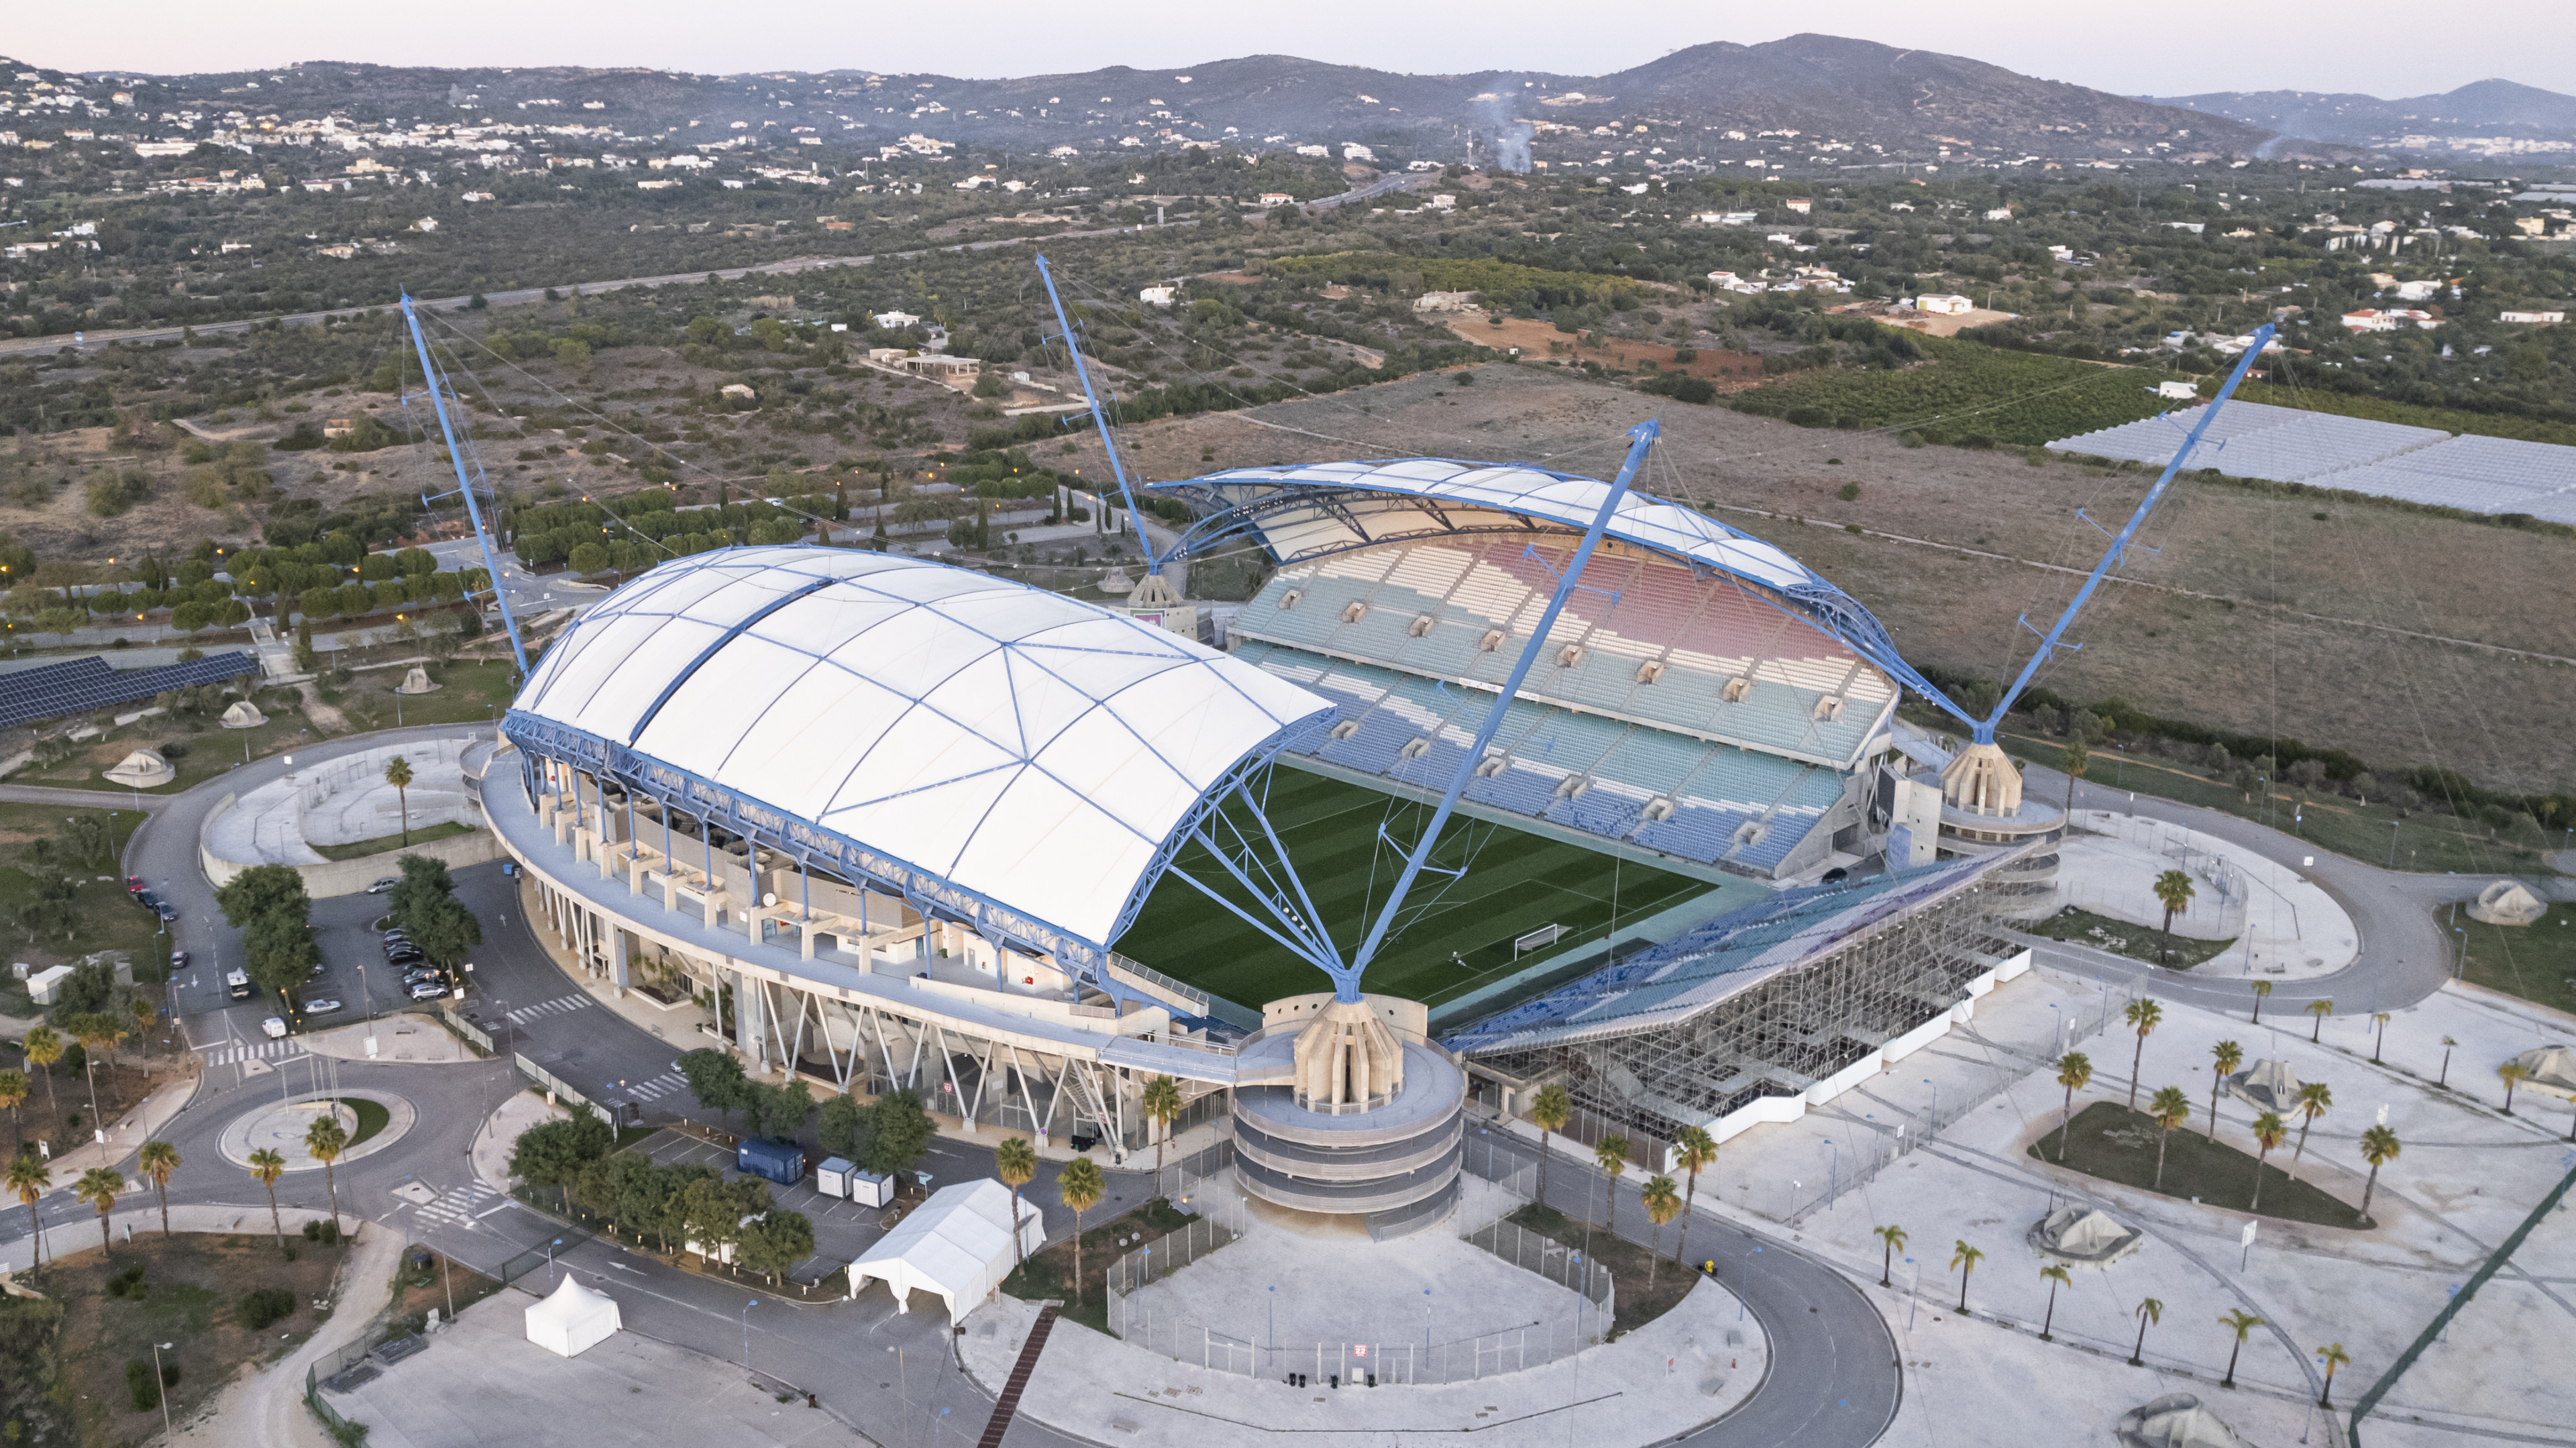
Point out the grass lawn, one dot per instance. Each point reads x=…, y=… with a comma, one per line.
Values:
x=2116, y=1144
x=1636, y=1300
x=2119, y=937
x=471, y=692
x=1050, y=1272
x=197, y=747
x=2536, y=962
x=383, y=843
x=372, y=1117
x=188, y=1294
x=1461, y=932
x=104, y=916
x=2421, y=841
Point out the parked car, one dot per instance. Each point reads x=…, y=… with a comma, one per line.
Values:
x=134, y=884
x=427, y=990
x=147, y=899
x=165, y=910
x=320, y=1007
x=273, y=1028
x=178, y=961
x=384, y=885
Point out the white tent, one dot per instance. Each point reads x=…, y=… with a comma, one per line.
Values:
x=574, y=1320
x=957, y=1245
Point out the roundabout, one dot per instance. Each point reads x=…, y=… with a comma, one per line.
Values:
x=372, y=1120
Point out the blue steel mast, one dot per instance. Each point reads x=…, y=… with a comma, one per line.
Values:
x=464, y=485
x=1108, y=444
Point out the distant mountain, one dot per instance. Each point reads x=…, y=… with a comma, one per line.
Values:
x=1819, y=99
x=2487, y=116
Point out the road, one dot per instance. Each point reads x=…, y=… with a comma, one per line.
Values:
x=525, y=296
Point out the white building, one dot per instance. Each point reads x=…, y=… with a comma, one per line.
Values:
x=1351, y=151
x=2531, y=319
x=1270, y=199
x=895, y=319
x=1945, y=304
x=1999, y=213
x=1157, y=296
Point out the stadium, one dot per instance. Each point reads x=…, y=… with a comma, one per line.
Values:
x=914, y=826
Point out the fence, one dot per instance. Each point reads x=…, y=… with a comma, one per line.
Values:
x=554, y=1087
x=1537, y=1253
x=2217, y=908
x=472, y=1034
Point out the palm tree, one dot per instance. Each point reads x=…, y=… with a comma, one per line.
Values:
x=2056, y=1277
x=398, y=774
x=14, y=1087
x=1549, y=1110
x=2444, y=1081
x=2079, y=760
x=2173, y=890
x=99, y=1186
x=2224, y=1058
x=2243, y=1322
x=2512, y=1072
x=29, y=1178
x=1894, y=1237
x=2143, y=1016
x=43, y=1047
x=96, y=1031
x=2319, y=1008
x=1694, y=1149
x=324, y=1141
x=2149, y=1311
x=1611, y=1153
x=2315, y=1100
x=2169, y=1109
x=2334, y=1357
x=2381, y=1020
x=1162, y=1104
x=1662, y=1204
x=1965, y=1258
x=2262, y=992
x=2268, y=1132
x=2074, y=1072
x=1015, y=1162
x=268, y=1166
x=2379, y=1147
x=1080, y=1187
x=158, y=1160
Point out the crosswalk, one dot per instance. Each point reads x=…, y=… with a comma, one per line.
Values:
x=459, y=1206
x=560, y=1005
x=228, y=1053
x=657, y=1088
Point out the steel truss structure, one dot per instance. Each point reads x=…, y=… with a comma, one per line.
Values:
x=1786, y=1033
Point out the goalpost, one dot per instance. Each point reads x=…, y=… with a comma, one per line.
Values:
x=1539, y=939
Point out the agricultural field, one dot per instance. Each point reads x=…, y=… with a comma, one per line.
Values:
x=1968, y=394
x=1460, y=934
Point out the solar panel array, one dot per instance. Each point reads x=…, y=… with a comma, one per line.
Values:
x=88, y=683
x=2357, y=455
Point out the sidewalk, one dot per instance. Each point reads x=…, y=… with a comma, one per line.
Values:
x=2292, y=928
x=126, y=1137
x=143, y=1219
x=406, y=1037
x=500, y=1132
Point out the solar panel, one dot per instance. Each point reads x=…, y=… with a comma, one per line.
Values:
x=2251, y=440
x=2480, y=474
x=82, y=684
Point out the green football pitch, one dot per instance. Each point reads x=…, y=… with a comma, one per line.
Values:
x=1457, y=934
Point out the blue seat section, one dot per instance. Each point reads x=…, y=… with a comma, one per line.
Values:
x=1629, y=615
x=1715, y=789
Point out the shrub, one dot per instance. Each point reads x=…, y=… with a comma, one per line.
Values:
x=326, y=1233
x=263, y=1305
x=144, y=1387
x=129, y=1284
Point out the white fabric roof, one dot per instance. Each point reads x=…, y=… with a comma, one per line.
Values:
x=573, y=1319
x=1525, y=492
x=1023, y=745
x=957, y=1244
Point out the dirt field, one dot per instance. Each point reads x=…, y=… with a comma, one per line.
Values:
x=2315, y=626
x=1541, y=340
x=1937, y=324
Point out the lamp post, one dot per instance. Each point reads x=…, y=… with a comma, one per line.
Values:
x=1935, y=1128
x=1834, y=1175
x=746, y=1332
x=1274, y=1327
x=2462, y=973
x=550, y=1260
x=161, y=1389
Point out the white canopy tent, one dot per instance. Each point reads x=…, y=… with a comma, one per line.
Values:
x=573, y=1320
x=957, y=1245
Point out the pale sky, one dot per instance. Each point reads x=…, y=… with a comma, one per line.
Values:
x=2177, y=48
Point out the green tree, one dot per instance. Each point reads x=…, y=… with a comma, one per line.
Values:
x=777, y=1241
x=2149, y=1310
x=268, y=1166
x=2074, y=1072
x=324, y=1140
x=446, y=930
x=99, y=1187
x=1162, y=1104
x=1891, y=1239
x=2170, y=1108
x=263, y=890
x=2224, y=1058
x=43, y=1046
x=398, y=774
x=29, y=1178
x=1661, y=1203
x=899, y=1131
x=838, y=1126
x=784, y=1107
x=2262, y=992
x=1549, y=1110
x=2173, y=890
x=2379, y=1147
x=1965, y=1258
x=2334, y=1357
x=2315, y=1100
x=2269, y=1131
x=2512, y=1073
x=1015, y=1162
x=553, y=1153
x=280, y=953
x=2319, y=1008
x=1694, y=1151
x=1611, y=1153
x=96, y=1031
x=2143, y=1016
x=1080, y=1187
x=2055, y=1276
x=157, y=1161
x=2240, y=1322
x=715, y=1079
x=14, y=1088
x=712, y=1216
x=2079, y=762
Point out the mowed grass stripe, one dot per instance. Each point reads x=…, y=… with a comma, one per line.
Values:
x=1516, y=882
